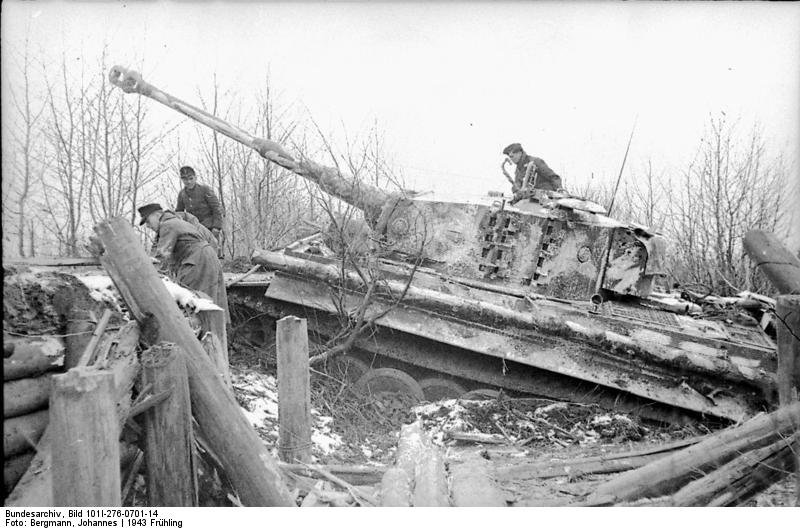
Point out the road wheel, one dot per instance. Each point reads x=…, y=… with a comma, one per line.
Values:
x=347, y=368
x=440, y=389
x=389, y=380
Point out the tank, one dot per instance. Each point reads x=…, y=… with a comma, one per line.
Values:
x=543, y=294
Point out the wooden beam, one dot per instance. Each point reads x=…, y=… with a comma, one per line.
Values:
x=294, y=390
x=86, y=457
x=251, y=468
x=169, y=442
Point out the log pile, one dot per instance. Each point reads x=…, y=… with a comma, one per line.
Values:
x=726, y=468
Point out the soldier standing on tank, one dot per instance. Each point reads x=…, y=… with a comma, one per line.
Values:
x=188, y=257
x=200, y=201
x=531, y=171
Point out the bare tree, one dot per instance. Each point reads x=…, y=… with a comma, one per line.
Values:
x=24, y=161
x=733, y=185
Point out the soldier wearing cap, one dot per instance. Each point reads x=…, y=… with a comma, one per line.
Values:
x=200, y=201
x=531, y=171
x=191, y=258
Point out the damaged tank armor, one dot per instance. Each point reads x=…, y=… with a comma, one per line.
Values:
x=547, y=296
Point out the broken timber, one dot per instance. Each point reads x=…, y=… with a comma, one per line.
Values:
x=246, y=460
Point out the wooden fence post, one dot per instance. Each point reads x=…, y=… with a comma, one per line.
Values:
x=83, y=420
x=169, y=442
x=788, y=324
x=294, y=395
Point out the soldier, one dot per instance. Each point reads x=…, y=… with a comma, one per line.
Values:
x=531, y=171
x=200, y=201
x=191, y=260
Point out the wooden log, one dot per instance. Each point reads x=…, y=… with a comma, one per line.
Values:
x=294, y=390
x=35, y=488
x=250, y=467
x=739, y=479
x=476, y=437
x=396, y=488
x=169, y=442
x=33, y=356
x=668, y=474
x=25, y=395
x=86, y=457
x=430, y=482
x=355, y=474
x=774, y=260
x=472, y=485
x=14, y=467
x=604, y=464
x=20, y=434
x=787, y=310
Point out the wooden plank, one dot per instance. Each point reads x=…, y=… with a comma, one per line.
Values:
x=169, y=441
x=86, y=457
x=294, y=390
x=246, y=459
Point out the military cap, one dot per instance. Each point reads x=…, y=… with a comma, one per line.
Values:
x=514, y=147
x=146, y=210
x=186, y=171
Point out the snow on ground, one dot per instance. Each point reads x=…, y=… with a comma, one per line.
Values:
x=257, y=394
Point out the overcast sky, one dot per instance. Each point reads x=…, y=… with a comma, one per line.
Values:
x=452, y=83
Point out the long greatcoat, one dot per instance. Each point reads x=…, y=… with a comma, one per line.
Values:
x=192, y=260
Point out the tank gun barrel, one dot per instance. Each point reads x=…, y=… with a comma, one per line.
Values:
x=347, y=188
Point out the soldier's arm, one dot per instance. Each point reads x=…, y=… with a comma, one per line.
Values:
x=216, y=209
x=180, y=206
x=165, y=244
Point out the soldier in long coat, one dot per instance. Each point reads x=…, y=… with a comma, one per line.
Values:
x=191, y=259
